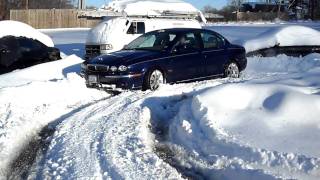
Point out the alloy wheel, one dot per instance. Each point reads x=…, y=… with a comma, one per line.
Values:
x=156, y=79
x=232, y=70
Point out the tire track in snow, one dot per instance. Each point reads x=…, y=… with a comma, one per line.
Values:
x=106, y=135
x=38, y=145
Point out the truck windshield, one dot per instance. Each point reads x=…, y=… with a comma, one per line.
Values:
x=154, y=41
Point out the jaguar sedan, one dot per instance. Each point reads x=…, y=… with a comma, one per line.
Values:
x=166, y=56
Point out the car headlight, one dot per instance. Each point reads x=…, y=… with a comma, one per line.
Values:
x=106, y=47
x=113, y=68
x=123, y=68
x=83, y=66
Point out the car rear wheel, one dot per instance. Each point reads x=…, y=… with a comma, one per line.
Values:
x=232, y=70
x=154, y=80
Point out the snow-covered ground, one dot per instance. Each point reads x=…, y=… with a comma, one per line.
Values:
x=262, y=126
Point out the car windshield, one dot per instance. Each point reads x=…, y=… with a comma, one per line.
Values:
x=154, y=41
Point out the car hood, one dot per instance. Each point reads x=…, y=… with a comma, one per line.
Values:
x=126, y=57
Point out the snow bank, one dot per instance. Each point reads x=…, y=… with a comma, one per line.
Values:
x=15, y=28
x=280, y=117
x=283, y=36
x=269, y=122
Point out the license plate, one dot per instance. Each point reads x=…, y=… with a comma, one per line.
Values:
x=92, y=79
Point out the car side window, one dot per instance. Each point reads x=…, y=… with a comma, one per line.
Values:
x=137, y=28
x=148, y=42
x=29, y=44
x=212, y=41
x=189, y=41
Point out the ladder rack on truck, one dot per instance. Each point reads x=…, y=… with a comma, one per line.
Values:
x=153, y=14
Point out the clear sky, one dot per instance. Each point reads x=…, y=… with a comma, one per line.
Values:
x=197, y=3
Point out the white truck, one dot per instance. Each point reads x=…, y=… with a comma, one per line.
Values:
x=112, y=35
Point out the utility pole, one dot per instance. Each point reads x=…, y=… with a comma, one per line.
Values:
x=27, y=4
x=81, y=4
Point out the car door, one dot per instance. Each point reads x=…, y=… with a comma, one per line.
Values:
x=214, y=53
x=185, y=60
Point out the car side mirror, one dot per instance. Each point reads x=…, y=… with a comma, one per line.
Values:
x=125, y=46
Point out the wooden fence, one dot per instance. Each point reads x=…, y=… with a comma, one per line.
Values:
x=52, y=18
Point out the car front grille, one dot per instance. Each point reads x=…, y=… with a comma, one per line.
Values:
x=97, y=68
x=92, y=49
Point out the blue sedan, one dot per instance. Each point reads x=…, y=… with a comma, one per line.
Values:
x=166, y=56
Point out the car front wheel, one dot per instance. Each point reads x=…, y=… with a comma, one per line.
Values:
x=232, y=70
x=154, y=80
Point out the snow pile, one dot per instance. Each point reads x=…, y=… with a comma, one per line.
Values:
x=269, y=122
x=33, y=97
x=150, y=7
x=283, y=36
x=15, y=28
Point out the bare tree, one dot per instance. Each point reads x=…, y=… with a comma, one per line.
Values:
x=235, y=3
x=209, y=9
x=3, y=5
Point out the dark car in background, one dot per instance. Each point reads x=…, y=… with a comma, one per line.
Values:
x=21, y=52
x=166, y=56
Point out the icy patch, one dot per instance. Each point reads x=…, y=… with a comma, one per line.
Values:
x=15, y=28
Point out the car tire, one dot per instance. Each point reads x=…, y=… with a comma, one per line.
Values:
x=232, y=70
x=54, y=55
x=153, y=80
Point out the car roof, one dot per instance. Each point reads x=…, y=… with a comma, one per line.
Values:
x=182, y=30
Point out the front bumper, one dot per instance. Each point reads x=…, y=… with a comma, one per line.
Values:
x=91, y=56
x=131, y=81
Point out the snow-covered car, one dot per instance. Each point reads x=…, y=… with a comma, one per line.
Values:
x=21, y=52
x=21, y=45
x=166, y=56
x=289, y=40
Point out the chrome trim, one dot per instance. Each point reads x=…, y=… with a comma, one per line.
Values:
x=166, y=57
x=123, y=76
x=235, y=48
x=212, y=50
x=201, y=77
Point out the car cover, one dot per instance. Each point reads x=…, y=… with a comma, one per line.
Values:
x=9, y=48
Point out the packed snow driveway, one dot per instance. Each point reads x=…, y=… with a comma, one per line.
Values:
x=262, y=126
